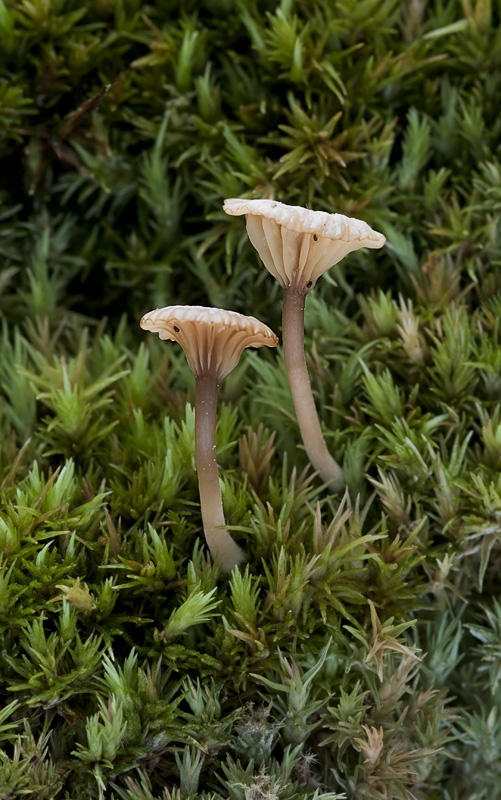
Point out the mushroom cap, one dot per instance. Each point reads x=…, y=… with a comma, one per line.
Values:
x=297, y=245
x=212, y=338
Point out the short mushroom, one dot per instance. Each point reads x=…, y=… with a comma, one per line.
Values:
x=213, y=340
x=297, y=246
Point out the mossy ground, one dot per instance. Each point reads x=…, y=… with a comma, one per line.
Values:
x=358, y=653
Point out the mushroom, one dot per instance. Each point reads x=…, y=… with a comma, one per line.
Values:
x=297, y=246
x=213, y=340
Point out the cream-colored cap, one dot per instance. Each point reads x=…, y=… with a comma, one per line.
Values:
x=212, y=338
x=297, y=245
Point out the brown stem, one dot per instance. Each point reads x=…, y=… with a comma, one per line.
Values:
x=222, y=547
x=307, y=417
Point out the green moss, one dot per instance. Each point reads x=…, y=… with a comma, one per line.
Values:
x=357, y=653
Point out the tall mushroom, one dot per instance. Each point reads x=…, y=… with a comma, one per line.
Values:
x=213, y=340
x=297, y=246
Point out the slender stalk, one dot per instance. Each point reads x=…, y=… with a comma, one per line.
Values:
x=297, y=371
x=222, y=547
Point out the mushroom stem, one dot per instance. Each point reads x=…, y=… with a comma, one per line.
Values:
x=222, y=547
x=297, y=371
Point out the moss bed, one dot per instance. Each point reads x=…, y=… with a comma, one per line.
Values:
x=357, y=653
